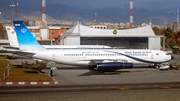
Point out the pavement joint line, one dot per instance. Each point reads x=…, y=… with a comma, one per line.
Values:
x=20, y=83
x=155, y=85
x=142, y=86
x=123, y=88
x=113, y=87
x=170, y=85
x=98, y=87
x=127, y=86
x=165, y=87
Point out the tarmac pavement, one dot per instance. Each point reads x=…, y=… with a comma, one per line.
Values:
x=140, y=75
x=66, y=74
x=69, y=75
x=127, y=95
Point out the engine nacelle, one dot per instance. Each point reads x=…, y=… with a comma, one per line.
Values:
x=115, y=65
x=128, y=65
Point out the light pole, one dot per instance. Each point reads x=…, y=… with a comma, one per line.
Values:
x=0, y=12
x=79, y=22
x=95, y=13
x=12, y=11
x=16, y=10
x=164, y=43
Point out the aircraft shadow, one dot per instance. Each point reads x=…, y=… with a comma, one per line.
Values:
x=141, y=66
x=69, y=68
x=98, y=72
x=85, y=67
x=115, y=72
x=101, y=72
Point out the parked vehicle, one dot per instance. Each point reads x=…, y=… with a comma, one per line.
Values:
x=164, y=66
x=174, y=66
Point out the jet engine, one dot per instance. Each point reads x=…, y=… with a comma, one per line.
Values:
x=115, y=65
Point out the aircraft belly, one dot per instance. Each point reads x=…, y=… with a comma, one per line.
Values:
x=73, y=60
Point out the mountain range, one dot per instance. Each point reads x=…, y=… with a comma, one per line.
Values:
x=113, y=14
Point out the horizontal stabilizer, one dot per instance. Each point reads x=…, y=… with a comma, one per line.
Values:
x=10, y=47
x=18, y=52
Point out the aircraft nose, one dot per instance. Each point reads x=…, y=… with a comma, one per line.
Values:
x=172, y=57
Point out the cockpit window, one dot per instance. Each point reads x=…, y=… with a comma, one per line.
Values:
x=167, y=53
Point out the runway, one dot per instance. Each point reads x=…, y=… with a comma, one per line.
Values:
x=103, y=92
x=31, y=89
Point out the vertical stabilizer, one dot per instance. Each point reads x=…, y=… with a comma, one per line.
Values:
x=25, y=38
x=12, y=36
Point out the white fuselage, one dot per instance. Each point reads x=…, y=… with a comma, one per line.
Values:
x=93, y=56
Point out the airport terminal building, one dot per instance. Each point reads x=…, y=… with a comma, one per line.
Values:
x=137, y=38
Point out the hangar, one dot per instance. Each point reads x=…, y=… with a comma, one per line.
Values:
x=137, y=38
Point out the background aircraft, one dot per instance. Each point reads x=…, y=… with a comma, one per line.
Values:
x=14, y=43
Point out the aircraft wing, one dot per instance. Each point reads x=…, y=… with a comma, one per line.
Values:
x=22, y=53
x=10, y=47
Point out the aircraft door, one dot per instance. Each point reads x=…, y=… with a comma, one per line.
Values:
x=152, y=56
x=115, y=56
x=53, y=56
x=107, y=56
x=84, y=56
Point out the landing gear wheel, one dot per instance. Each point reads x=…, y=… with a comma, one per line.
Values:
x=91, y=66
x=157, y=66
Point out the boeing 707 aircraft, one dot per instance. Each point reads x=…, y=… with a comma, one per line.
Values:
x=97, y=58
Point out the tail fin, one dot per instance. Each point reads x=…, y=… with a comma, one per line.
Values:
x=25, y=38
x=12, y=36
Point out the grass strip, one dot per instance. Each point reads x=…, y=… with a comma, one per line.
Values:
x=19, y=74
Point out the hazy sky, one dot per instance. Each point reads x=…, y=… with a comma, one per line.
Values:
x=156, y=7
x=148, y=4
x=166, y=5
